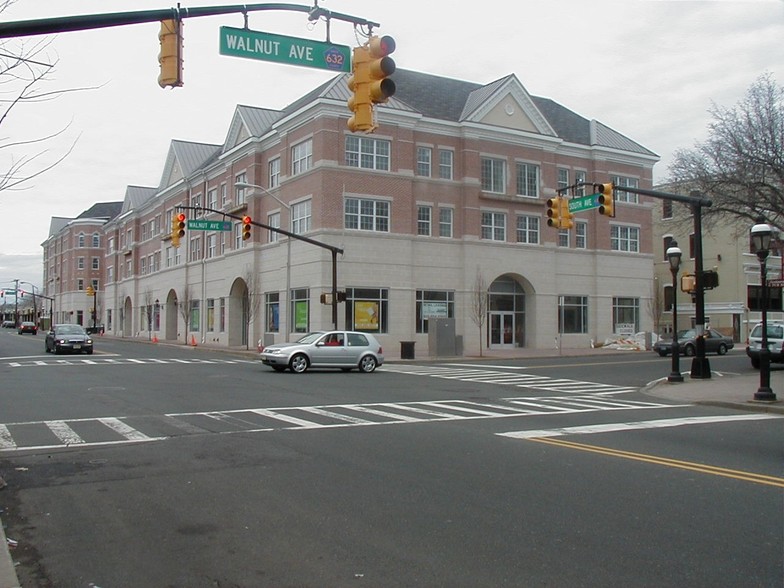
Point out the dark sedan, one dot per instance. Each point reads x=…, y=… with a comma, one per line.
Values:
x=715, y=342
x=28, y=327
x=71, y=338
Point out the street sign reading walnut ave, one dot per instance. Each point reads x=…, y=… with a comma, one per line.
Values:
x=204, y=225
x=283, y=49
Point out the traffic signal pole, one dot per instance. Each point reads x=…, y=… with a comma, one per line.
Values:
x=700, y=366
x=64, y=24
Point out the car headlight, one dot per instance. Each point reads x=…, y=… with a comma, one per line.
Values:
x=89, y=341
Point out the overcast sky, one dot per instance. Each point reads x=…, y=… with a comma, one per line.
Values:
x=649, y=69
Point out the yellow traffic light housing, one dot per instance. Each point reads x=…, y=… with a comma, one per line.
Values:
x=554, y=212
x=170, y=56
x=359, y=84
x=566, y=216
x=606, y=199
x=178, y=229
x=380, y=67
x=246, y=226
x=369, y=83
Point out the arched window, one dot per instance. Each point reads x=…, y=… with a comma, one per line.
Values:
x=96, y=239
x=81, y=240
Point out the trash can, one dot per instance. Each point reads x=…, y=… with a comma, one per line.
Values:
x=407, y=349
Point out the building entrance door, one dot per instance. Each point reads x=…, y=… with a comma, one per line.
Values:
x=502, y=330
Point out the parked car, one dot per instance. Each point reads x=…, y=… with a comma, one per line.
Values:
x=28, y=327
x=775, y=336
x=71, y=338
x=715, y=342
x=326, y=349
x=9, y=324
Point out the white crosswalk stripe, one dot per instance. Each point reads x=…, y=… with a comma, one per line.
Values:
x=117, y=430
x=504, y=378
x=93, y=361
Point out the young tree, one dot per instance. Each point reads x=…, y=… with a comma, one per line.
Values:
x=148, y=311
x=253, y=301
x=184, y=307
x=740, y=167
x=479, y=305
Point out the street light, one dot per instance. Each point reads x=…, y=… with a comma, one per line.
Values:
x=760, y=238
x=288, y=253
x=674, y=257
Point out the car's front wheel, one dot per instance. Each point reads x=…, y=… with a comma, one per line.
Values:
x=689, y=351
x=722, y=349
x=298, y=363
x=367, y=364
x=755, y=362
x=662, y=353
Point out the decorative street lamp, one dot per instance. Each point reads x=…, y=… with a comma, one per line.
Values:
x=760, y=238
x=674, y=257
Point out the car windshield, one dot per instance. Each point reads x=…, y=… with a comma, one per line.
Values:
x=686, y=334
x=310, y=337
x=70, y=330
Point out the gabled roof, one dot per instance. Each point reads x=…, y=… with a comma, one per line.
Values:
x=102, y=210
x=454, y=100
x=184, y=159
x=57, y=224
x=249, y=121
x=135, y=196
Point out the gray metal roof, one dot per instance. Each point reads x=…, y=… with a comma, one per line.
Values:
x=102, y=210
x=135, y=196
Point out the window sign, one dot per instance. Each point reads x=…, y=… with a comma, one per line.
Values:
x=366, y=315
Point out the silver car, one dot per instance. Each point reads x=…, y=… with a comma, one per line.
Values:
x=326, y=349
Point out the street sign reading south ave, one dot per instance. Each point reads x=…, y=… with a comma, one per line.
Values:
x=282, y=49
x=204, y=225
x=584, y=203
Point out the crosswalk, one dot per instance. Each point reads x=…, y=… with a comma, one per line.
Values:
x=508, y=376
x=84, y=361
x=53, y=434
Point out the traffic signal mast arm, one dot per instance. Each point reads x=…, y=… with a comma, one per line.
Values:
x=267, y=227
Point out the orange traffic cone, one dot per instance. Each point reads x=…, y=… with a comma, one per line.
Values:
x=155, y=338
x=193, y=340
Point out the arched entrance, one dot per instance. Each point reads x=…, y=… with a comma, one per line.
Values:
x=127, y=322
x=170, y=316
x=505, y=314
x=239, y=313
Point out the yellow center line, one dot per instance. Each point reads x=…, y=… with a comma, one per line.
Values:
x=684, y=465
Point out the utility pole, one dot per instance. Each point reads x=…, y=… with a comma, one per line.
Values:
x=16, y=303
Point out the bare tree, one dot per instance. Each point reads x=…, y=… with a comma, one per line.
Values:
x=740, y=167
x=253, y=301
x=148, y=311
x=656, y=306
x=184, y=307
x=479, y=305
x=25, y=77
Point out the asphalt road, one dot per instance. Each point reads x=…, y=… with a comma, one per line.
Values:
x=170, y=466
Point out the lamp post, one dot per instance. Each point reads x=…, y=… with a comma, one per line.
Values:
x=760, y=238
x=674, y=257
x=288, y=255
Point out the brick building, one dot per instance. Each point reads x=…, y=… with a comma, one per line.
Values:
x=446, y=199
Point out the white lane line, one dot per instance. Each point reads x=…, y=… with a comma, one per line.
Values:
x=655, y=424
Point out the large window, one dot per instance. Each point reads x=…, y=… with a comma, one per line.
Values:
x=622, y=182
x=433, y=304
x=581, y=234
x=493, y=175
x=424, y=219
x=528, y=229
x=445, y=164
x=299, y=312
x=754, y=298
x=624, y=238
x=239, y=192
x=527, y=180
x=445, y=222
x=273, y=176
x=367, y=153
x=366, y=309
x=301, y=157
x=273, y=220
x=210, y=314
x=272, y=312
x=195, y=316
x=367, y=215
x=626, y=311
x=300, y=217
x=572, y=314
x=494, y=226
x=424, y=161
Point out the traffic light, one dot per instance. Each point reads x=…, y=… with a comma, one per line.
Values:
x=170, y=56
x=246, y=226
x=178, y=229
x=554, y=212
x=369, y=83
x=381, y=66
x=606, y=199
x=566, y=216
x=359, y=84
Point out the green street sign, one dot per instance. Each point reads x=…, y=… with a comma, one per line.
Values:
x=204, y=225
x=584, y=203
x=282, y=49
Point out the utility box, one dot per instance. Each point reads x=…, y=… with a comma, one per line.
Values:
x=441, y=338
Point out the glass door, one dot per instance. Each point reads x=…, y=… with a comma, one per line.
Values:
x=501, y=330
